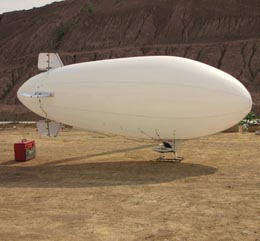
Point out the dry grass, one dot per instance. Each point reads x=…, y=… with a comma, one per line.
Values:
x=86, y=186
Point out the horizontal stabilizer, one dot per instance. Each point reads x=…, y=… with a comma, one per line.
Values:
x=47, y=61
x=38, y=94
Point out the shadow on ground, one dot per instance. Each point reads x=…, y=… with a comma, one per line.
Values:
x=97, y=173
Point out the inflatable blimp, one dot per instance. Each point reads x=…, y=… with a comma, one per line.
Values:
x=158, y=97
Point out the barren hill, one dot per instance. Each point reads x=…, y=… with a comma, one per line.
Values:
x=224, y=34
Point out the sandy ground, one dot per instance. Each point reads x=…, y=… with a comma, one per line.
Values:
x=87, y=186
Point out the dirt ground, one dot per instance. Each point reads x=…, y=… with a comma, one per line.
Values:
x=88, y=186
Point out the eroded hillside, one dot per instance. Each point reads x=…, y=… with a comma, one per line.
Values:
x=224, y=34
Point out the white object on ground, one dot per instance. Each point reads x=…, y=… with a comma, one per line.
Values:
x=145, y=97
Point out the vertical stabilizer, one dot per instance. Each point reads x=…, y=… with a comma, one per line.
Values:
x=47, y=61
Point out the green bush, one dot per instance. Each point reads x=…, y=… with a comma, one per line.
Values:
x=250, y=120
x=90, y=9
x=61, y=32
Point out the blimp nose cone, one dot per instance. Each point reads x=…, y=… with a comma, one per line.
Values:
x=246, y=99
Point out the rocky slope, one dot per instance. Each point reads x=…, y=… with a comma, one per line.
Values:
x=224, y=34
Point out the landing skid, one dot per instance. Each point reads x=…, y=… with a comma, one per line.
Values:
x=166, y=147
x=172, y=160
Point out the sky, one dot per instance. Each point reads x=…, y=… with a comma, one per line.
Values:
x=12, y=5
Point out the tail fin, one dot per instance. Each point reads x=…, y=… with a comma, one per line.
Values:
x=47, y=61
